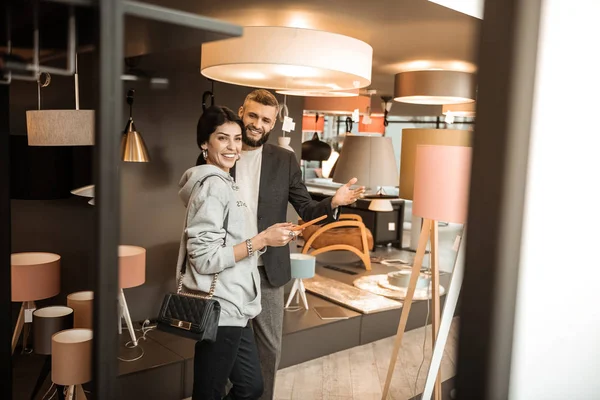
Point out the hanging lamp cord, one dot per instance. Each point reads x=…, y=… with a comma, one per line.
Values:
x=130, y=94
x=349, y=124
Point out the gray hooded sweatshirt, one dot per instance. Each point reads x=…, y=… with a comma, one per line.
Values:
x=238, y=285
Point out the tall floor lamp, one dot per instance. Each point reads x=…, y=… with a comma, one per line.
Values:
x=411, y=138
x=441, y=190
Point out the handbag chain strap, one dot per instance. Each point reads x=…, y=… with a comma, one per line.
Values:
x=211, y=291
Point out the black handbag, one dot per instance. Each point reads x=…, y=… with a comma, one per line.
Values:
x=191, y=315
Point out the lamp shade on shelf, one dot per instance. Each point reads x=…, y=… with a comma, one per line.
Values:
x=442, y=176
x=132, y=266
x=285, y=58
x=60, y=127
x=133, y=148
x=82, y=304
x=34, y=276
x=370, y=159
x=72, y=357
x=382, y=205
x=46, y=322
x=434, y=87
x=411, y=138
x=336, y=106
x=315, y=149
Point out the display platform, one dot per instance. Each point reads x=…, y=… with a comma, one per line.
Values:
x=166, y=369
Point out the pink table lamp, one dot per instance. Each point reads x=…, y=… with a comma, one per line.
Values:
x=132, y=273
x=441, y=191
x=34, y=276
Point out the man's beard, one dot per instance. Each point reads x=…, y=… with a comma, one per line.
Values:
x=255, y=143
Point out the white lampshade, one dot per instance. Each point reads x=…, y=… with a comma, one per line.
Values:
x=60, y=127
x=381, y=205
x=434, y=87
x=474, y=8
x=370, y=159
x=321, y=93
x=285, y=58
x=459, y=110
x=337, y=106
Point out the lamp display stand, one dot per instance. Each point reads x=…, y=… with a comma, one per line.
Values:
x=303, y=267
x=441, y=189
x=34, y=276
x=132, y=273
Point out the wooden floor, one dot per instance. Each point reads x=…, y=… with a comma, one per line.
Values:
x=359, y=373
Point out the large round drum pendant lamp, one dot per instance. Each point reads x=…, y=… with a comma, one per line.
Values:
x=434, y=87
x=285, y=58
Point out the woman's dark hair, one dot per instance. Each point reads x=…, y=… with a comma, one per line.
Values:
x=211, y=118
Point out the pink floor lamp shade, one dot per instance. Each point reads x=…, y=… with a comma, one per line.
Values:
x=132, y=266
x=34, y=276
x=442, y=176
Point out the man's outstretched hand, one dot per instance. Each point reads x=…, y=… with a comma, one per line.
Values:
x=346, y=195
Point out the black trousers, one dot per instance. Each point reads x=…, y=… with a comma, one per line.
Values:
x=233, y=356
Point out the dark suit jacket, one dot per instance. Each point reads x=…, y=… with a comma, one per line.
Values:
x=280, y=182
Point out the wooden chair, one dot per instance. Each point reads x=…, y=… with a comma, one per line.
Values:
x=349, y=233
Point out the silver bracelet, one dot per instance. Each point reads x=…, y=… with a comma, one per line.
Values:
x=249, y=247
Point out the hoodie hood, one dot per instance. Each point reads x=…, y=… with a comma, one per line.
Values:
x=195, y=174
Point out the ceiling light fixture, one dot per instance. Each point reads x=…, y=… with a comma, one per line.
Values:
x=274, y=57
x=133, y=148
x=434, y=87
x=337, y=106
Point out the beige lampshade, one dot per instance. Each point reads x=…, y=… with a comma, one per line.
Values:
x=133, y=148
x=132, y=266
x=72, y=357
x=336, y=106
x=434, y=87
x=411, y=138
x=285, y=58
x=442, y=176
x=34, y=276
x=370, y=159
x=60, y=127
x=82, y=304
x=459, y=110
x=382, y=205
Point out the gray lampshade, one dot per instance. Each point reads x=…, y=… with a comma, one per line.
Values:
x=133, y=147
x=434, y=87
x=370, y=159
x=46, y=322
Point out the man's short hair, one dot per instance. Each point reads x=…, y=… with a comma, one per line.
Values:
x=263, y=97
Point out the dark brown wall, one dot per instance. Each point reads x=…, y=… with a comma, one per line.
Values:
x=151, y=212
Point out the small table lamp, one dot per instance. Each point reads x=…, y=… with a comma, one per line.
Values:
x=132, y=273
x=34, y=276
x=46, y=322
x=441, y=191
x=82, y=304
x=72, y=360
x=303, y=267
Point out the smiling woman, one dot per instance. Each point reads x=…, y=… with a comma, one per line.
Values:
x=219, y=136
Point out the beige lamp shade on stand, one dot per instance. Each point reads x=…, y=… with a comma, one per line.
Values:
x=72, y=360
x=34, y=276
x=411, y=138
x=370, y=159
x=82, y=304
x=441, y=190
x=285, y=58
x=434, y=87
x=132, y=273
